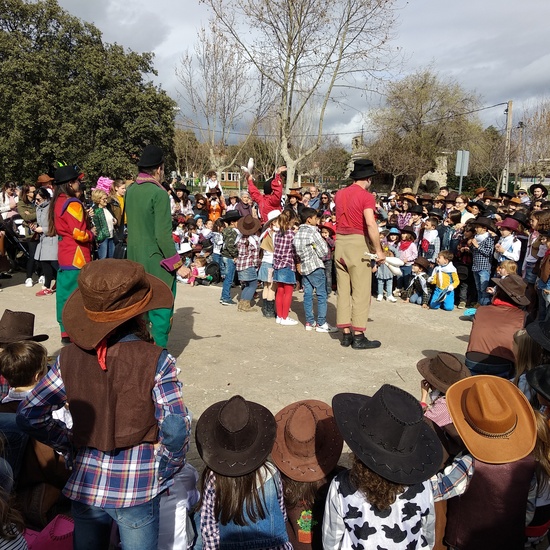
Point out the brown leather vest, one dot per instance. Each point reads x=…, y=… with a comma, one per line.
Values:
x=111, y=409
x=490, y=515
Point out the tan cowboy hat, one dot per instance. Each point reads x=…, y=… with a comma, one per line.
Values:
x=308, y=444
x=109, y=293
x=235, y=437
x=493, y=418
x=18, y=325
x=442, y=371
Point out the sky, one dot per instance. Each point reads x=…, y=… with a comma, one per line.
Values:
x=498, y=49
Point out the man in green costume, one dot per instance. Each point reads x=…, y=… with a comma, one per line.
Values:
x=150, y=240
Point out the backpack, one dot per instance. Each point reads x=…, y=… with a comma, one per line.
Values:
x=213, y=269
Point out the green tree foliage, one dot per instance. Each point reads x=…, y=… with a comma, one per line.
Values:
x=424, y=116
x=65, y=95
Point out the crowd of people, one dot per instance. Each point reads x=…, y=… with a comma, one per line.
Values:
x=103, y=433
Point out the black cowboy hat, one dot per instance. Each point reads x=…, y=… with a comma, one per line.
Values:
x=437, y=213
x=65, y=174
x=388, y=434
x=235, y=437
x=540, y=332
x=539, y=380
x=231, y=216
x=18, y=325
x=539, y=186
x=485, y=222
x=362, y=169
x=410, y=230
x=416, y=209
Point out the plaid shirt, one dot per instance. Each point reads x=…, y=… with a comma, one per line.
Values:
x=310, y=248
x=249, y=256
x=119, y=478
x=210, y=530
x=482, y=256
x=283, y=254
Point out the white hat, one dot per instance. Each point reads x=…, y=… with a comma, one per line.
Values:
x=273, y=214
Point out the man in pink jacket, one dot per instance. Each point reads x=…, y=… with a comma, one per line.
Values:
x=273, y=191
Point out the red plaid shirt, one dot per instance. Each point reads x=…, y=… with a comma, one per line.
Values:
x=283, y=254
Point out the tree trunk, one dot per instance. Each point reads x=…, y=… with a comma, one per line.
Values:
x=417, y=182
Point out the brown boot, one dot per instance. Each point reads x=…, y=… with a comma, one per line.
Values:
x=240, y=305
x=247, y=307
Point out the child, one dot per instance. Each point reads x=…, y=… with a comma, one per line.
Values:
x=248, y=260
x=310, y=248
x=229, y=254
x=242, y=494
x=383, y=274
x=445, y=279
x=265, y=273
x=386, y=498
x=528, y=354
x=418, y=291
x=507, y=267
x=407, y=252
x=508, y=246
x=543, y=280
x=198, y=272
x=217, y=240
x=482, y=247
x=306, y=452
x=429, y=241
x=284, y=267
x=328, y=233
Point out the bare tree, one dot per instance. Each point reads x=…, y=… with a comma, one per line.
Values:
x=535, y=139
x=308, y=51
x=424, y=116
x=218, y=89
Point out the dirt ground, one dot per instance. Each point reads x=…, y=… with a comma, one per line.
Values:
x=222, y=352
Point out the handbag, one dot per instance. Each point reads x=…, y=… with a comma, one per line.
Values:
x=120, y=237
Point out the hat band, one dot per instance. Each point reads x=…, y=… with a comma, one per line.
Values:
x=119, y=314
x=490, y=435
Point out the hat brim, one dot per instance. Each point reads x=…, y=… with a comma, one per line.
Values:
x=520, y=300
x=535, y=377
x=87, y=334
x=494, y=450
x=231, y=463
x=327, y=452
x=404, y=468
x=537, y=334
x=538, y=186
x=34, y=338
x=423, y=367
x=247, y=232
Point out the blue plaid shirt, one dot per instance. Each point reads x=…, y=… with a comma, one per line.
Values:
x=119, y=478
x=482, y=256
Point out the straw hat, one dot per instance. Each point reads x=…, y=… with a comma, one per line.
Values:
x=109, y=293
x=308, y=444
x=442, y=371
x=235, y=437
x=388, y=434
x=493, y=418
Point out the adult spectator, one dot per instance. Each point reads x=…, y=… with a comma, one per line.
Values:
x=538, y=191
x=273, y=192
x=315, y=201
x=325, y=205
x=244, y=206
x=131, y=428
x=490, y=346
x=200, y=210
x=357, y=235
x=116, y=201
x=26, y=208
x=293, y=202
x=150, y=240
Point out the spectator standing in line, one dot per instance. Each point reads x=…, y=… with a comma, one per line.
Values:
x=150, y=240
x=357, y=232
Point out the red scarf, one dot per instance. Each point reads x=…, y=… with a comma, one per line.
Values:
x=403, y=245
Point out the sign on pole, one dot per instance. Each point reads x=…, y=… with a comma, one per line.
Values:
x=461, y=168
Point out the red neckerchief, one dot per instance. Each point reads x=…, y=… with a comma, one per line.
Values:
x=499, y=302
x=403, y=245
x=101, y=350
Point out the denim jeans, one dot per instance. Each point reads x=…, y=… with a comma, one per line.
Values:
x=482, y=282
x=229, y=269
x=388, y=284
x=416, y=299
x=138, y=526
x=405, y=279
x=249, y=287
x=106, y=249
x=315, y=280
x=15, y=442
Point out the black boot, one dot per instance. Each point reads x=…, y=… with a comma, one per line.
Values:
x=360, y=341
x=346, y=339
x=271, y=309
x=265, y=308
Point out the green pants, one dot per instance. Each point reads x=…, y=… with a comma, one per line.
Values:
x=160, y=321
x=66, y=284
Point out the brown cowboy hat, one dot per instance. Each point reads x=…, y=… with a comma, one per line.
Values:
x=43, y=179
x=235, y=437
x=248, y=225
x=493, y=418
x=388, y=434
x=513, y=200
x=18, y=325
x=423, y=263
x=479, y=190
x=442, y=371
x=409, y=197
x=295, y=193
x=109, y=293
x=514, y=287
x=409, y=229
x=308, y=444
